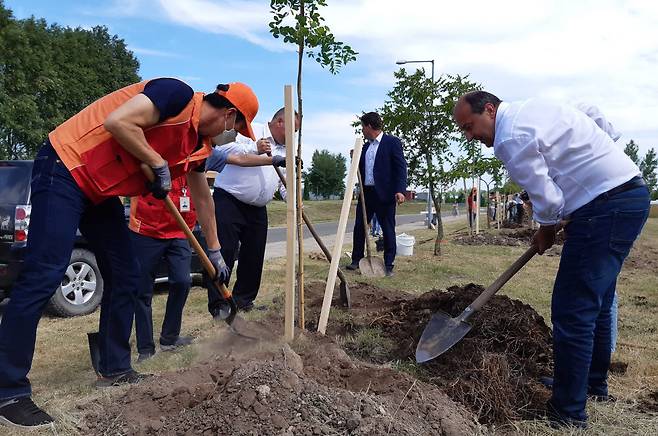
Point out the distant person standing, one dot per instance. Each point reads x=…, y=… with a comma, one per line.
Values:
x=471, y=203
x=384, y=174
x=518, y=204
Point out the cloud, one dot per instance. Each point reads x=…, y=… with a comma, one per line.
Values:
x=244, y=19
x=152, y=52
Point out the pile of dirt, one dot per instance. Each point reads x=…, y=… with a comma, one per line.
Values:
x=267, y=388
x=513, y=238
x=643, y=258
x=494, y=370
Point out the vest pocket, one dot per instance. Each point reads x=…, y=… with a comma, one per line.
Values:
x=108, y=165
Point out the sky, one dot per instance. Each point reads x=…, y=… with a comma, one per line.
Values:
x=603, y=52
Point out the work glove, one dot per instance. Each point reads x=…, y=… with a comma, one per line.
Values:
x=217, y=260
x=279, y=161
x=161, y=185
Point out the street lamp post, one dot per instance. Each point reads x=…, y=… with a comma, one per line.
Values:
x=429, y=192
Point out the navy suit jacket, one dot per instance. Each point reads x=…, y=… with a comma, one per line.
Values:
x=390, y=168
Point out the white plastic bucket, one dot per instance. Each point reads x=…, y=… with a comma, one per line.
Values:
x=405, y=244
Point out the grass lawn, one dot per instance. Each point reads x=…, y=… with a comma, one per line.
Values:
x=62, y=377
x=329, y=210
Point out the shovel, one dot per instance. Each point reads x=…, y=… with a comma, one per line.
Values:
x=442, y=331
x=345, y=296
x=370, y=266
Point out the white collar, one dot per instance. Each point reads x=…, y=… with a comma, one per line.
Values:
x=378, y=139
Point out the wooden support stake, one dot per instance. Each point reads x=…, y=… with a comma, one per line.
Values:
x=340, y=235
x=289, y=117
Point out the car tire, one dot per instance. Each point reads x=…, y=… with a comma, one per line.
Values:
x=81, y=290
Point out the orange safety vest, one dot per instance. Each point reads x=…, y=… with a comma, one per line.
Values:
x=103, y=168
x=150, y=217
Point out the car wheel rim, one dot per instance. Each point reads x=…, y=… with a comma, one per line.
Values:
x=79, y=283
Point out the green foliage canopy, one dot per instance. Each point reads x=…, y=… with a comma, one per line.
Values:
x=326, y=175
x=48, y=73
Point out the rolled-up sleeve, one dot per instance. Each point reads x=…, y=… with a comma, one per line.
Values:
x=527, y=167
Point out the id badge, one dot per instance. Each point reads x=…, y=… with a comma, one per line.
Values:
x=184, y=204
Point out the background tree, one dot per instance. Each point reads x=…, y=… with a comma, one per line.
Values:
x=632, y=150
x=326, y=175
x=419, y=112
x=648, y=167
x=299, y=22
x=48, y=73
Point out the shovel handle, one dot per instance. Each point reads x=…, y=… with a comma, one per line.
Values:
x=500, y=281
x=203, y=257
x=311, y=228
x=365, y=214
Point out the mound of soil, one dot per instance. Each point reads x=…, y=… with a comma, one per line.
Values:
x=493, y=371
x=249, y=389
x=520, y=237
x=642, y=258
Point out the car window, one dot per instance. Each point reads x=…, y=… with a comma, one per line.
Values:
x=15, y=181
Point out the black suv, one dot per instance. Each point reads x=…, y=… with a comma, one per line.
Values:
x=68, y=300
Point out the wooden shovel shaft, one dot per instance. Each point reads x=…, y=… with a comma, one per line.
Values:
x=207, y=265
x=364, y=213
x=311, y=229
x=482, y=299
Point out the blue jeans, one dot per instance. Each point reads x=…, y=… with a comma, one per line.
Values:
x=599, y=237
x=59, y=208
x=178, y=255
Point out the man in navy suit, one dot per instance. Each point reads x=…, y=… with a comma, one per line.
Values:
x=384, y=174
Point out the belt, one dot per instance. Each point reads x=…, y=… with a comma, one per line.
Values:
x=635, y=182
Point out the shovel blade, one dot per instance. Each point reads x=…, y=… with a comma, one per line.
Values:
x=372, y=267
x=440, y=334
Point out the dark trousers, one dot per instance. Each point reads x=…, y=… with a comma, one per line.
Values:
x=59, y=208
x=177, y=255
x=385, y=211
x=599, y=237
x=240, y=225
x=519, y=213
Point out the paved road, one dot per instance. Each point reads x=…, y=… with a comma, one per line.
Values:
x=278, y=234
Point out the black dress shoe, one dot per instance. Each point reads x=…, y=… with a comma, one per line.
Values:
x=352, y=266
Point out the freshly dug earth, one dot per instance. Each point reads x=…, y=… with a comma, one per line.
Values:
x=518, y=237
x=494, y=370
x=247, y=388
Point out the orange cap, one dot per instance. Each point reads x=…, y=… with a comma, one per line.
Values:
x=244, y=99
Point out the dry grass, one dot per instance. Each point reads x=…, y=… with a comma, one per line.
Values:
x=62, y=377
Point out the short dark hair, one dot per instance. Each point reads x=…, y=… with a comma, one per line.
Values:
x=373, y=120
x=219, y=101
x=477, y=100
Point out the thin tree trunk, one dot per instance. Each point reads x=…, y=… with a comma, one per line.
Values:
x=440, y=234
x=300, y=221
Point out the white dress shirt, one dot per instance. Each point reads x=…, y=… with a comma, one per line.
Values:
x=559, y=155
x=371, y=153
x=252, y=185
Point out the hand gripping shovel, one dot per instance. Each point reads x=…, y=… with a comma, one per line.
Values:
x=442, y=331
x=370, y=266
x=207, y=265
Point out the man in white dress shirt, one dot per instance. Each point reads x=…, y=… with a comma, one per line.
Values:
x=566, y=159
x=241, y=195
